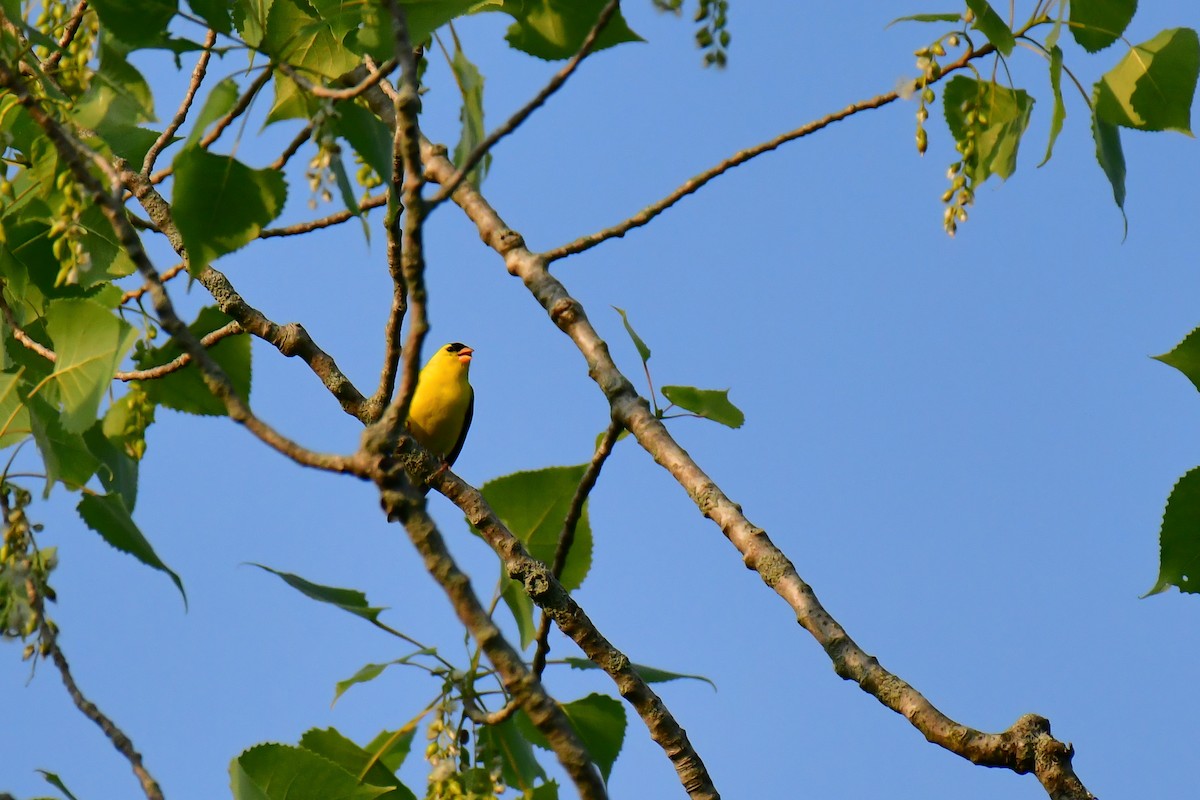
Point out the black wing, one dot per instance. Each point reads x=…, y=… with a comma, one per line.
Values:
x=462, y=436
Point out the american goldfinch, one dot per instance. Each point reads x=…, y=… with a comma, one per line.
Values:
x=443, y=402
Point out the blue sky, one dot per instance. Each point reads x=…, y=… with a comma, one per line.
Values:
x=962, y=444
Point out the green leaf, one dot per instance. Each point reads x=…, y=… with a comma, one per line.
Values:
x=555, y=29
x=1111, y=157
x=130, y=142
x=109, y=260
x=108, y=516
x=215, y=12
x=1060, y=110
x=291, y=102
x=367, y=134
x=332, y=745
x=948, y=17
x=184, y=389
x=219, y=102
x=600, y=722
x=370, y=672
x=57, y=783
x=1179, y=538
x=135, y=22
x=343, y=183
x=1096, y=24
x=391, y=747
x=1185, y=357
x=1151, y=89
x=648, y=674
x=518, y=764
x=997, y=137
x=250, y=19
x=118, y=472
x=282, y=772
x=424, y=17
x=533, y=506
x=642, y=349
x=470, y=84
x=118, y=96
x=127, y=419
x=90, y=342
x=308, y=35
x=14, y=417
x=65, y=454
x=708, y=403
x=992, y=25
x=521, y=607
x=221, y=204
x=350, y=600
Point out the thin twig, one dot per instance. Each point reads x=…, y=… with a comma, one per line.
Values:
x=741, y=157
x=476, y=155
x=179, y=362
x=292, y=148
x=566, y=536
x=198, y=73
x=324, y=222
x=348, y=93
x=136, y=294
x=51, y=62
x=19, y=333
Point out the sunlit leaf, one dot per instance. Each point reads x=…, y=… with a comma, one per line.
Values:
x=992, y=25
x=221, y=98
x=642, y=349
x=1096, y=24
x=14, y=417
x=1151, y=89
x=332, y=745
x=108, y=516
x=299, y=34
x=282, y=772
x=708, y=403
x=555, y=29
x=997, y=134
x=90, y=342
x=220, y=204
x=350, y=600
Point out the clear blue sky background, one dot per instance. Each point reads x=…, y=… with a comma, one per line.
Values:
x=962, y=444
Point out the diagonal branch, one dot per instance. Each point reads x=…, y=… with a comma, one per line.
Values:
x=1025, y=747
x=198, y=73
x=741, y=157
x=68, y=36
x=548, y=593
x=560, y=77
x=401, y=503
x=566, y=536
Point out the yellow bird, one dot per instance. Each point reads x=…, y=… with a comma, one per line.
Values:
x=443, y=402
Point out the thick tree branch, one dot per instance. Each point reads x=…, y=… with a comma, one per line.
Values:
x=547, y=592
x=1025, y=747
x=403, y=504
x=483, y=148
x=741, y=157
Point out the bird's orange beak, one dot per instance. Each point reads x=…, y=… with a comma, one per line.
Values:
x=464, y=355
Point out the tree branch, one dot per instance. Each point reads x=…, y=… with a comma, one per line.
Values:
x=401, y=503
x=324, y=222
x=164, y=138
x=476, y=155
x=741, y=157
x=1025, y=747
x=349, y=93
x=566, y=536
x=290, y=339
x=72, y=28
